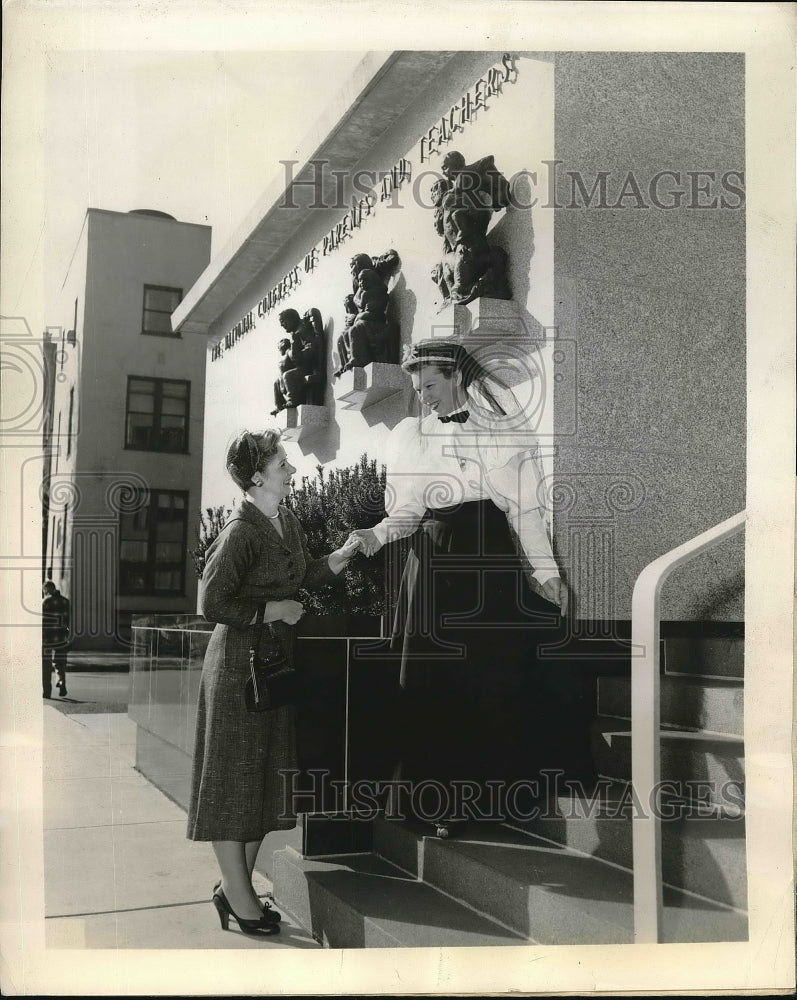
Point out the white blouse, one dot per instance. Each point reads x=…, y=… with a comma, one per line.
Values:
x=431, y=464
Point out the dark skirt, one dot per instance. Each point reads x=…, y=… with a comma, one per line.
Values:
x=468, y=624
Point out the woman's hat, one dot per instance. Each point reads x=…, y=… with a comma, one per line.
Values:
x=440, y=352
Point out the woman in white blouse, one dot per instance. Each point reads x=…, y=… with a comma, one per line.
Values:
x=464, y=481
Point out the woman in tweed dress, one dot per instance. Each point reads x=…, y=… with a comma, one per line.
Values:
x=252, y=573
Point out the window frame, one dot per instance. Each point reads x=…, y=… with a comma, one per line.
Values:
x=157, y=413
x=151, y=565
x=174, y=334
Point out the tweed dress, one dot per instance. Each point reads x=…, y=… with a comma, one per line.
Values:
x=236, y=789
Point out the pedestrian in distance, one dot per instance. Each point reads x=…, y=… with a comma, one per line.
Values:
x=55, y=638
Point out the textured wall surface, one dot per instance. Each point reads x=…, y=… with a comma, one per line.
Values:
x=653, y=300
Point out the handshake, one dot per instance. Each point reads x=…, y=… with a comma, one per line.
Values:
x=363, y=540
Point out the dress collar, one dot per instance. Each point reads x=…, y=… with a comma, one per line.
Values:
x=252, y=513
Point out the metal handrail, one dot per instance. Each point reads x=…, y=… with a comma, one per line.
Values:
x=645, y=719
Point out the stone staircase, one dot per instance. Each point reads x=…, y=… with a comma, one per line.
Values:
x=564, y=876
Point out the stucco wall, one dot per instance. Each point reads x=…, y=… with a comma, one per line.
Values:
x=654, y=300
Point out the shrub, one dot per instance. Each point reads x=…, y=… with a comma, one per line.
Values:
x=210, y=524
x=329, y=507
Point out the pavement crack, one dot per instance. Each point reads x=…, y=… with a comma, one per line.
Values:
x=126, y=909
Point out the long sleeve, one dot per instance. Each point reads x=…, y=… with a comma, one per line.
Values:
x=317, y=573
x=229, y=559
x=517, y=486
x=403, y=502
x=404, y=510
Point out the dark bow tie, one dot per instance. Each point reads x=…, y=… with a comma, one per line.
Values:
x=457, y=418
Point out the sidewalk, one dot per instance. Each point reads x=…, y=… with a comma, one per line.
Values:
x=118, y=871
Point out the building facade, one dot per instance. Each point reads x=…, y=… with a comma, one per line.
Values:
x=124, y=432
x=624, y=234
x=620, y=329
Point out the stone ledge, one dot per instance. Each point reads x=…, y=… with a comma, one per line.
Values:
x=486, y=321
x=297, y=422
x=359, y=388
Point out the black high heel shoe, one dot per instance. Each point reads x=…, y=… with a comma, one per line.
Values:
x=225, y=911
x=270, y=914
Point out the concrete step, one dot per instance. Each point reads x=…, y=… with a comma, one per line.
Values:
x=548, y=893
x=705, y=656
x=686, y=703
x=363, y=901
x=706, y=767
x=705, y=855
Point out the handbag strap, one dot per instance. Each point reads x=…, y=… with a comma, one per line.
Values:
x=259, y=627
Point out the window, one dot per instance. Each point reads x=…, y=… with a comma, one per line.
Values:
x=157, y=414
x=159, y=304
x=152, y=545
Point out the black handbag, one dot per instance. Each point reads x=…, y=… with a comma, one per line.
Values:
x=272, y=681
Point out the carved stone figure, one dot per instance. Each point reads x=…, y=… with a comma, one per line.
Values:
x=465, y=199
x=302, y=378
x=310, y=353
x=368, y=335
x=290, y=379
